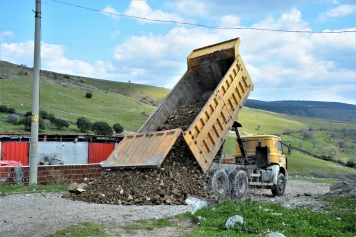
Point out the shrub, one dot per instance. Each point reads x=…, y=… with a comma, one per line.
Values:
x=60, y=123
x=102, y=128
x=41, y=124
x=27, y=114
x=307, y=134
x=288, y=131
x=84, y=124
x=12, y=119
x=351, y=163
x=88, y=95
x=118, y=128
x=27, y=123
x=43, y=114
x=3, y=108
x=51, y=117
x=11, y=110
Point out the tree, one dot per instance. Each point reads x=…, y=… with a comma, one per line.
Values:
x=51, y=117
x=307, y=134
x=84, y=124
x=60, y=123
x=26, y=122
x=341, y=143
x=3, y=108
x=12, y=119
x=102, y=128
x=313, y=142
x=11, y=110
x=43, y=114
x=118, y=128
x=88, y=95
x=288, y=131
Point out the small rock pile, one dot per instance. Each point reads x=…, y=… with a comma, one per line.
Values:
x=179, y=175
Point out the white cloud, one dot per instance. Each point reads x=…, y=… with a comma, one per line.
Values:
x=143, y=10
x=339, y=11
x=109, y=11
x=229, y=21
x=7, y=34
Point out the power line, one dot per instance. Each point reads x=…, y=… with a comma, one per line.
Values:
x=206, y=26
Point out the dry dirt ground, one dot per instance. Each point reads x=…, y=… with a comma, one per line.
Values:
x=42, y=214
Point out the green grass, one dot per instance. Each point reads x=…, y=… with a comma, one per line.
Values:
x=272, y=123
x=66, y=99
x=148, y=224
x=83, y=230
x=262, y=218
x=6, y=189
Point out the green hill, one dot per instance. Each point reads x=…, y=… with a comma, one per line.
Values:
x=129, y=104
x=65, y=97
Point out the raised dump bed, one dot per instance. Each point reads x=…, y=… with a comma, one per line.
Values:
x=217, y=75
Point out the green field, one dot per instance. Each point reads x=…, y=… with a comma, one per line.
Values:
x=129, y=104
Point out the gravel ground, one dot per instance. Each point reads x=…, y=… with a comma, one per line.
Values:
x=42, y=214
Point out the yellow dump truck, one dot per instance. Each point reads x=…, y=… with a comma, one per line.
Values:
x=217, y=75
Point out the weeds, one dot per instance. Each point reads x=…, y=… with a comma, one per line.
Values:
x=262, y=218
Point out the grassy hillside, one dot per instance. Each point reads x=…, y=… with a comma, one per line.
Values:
x=322, y=137
x=129, y=104
x=64, y=96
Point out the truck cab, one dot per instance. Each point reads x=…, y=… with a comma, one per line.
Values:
x=266, y=153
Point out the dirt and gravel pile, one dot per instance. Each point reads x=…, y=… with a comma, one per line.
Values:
x=179, y=175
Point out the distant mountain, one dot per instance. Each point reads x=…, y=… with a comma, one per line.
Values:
x=311, y=109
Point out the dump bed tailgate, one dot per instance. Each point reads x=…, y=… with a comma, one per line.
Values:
x=143, y=149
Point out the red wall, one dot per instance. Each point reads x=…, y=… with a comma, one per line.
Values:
x=99, y=151
x=16, y=151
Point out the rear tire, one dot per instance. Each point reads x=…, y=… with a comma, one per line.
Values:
x=239, y=182
x=220, y=183
x=280, y=188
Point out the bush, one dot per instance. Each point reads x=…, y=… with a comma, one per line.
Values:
x=118, y=128
x=12, y=119
x=11, y=110
x=288, y=131
x=351, y=163
x=43, y=114
x=51, y=117
x=28, y=114
x=3, y=108
x=27, y=123
x=88, y=95
x=307, y=134
x=102, y=128
x=60, y=123
x=84, y=124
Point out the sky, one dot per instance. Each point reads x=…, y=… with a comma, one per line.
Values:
x=139, y=41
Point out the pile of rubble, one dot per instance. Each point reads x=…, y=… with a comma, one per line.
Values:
x=179, y=175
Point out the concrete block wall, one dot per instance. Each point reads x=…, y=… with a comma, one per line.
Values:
x=50, y=174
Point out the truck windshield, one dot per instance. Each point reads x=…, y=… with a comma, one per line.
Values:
x=280, y=146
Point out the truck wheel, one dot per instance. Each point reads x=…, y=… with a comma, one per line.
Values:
x=220, y=183
x=239, y=184
x=278, y=190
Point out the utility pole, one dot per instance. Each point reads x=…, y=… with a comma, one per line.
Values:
x=35, y=96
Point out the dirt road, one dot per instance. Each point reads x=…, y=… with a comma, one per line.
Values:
x=42, y=214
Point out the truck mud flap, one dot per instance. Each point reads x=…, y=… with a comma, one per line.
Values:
x=145, y=150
